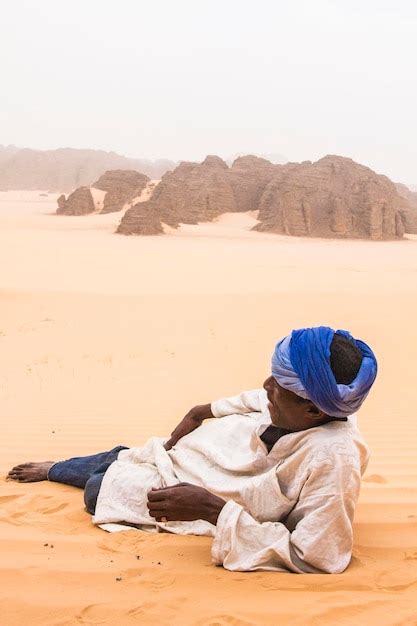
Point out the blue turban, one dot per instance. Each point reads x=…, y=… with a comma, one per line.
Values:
x=301, y=363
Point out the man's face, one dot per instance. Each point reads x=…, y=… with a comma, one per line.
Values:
x=289, y=411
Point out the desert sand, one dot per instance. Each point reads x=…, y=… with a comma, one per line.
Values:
x=106, y=339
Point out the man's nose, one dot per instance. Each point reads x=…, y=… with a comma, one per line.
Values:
x=267, y=383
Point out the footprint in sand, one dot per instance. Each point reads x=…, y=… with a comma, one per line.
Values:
x=396, y=580
x=102, y=614
x=158, y=582
x=32, y=510
x=7, y=505
x=54, y=509
x=375, y=478
x=4, y=499
x=224, y=620
x=129, y=541
x=138, y=612
x=93, y=614
x=152, y=612
x=47, y=504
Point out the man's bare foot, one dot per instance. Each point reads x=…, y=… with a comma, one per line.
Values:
x=30, y=472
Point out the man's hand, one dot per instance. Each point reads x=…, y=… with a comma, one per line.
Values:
x=184, y=502
x=190, y=422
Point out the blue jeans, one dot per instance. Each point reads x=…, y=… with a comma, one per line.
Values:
x=86, y=472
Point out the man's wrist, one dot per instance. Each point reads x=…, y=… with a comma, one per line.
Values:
x=202, y=412
x=214, y=508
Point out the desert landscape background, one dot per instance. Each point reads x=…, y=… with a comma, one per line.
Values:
x=108, y=339
x=181, y=184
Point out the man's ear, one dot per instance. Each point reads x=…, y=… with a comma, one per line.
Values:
x=314, y=412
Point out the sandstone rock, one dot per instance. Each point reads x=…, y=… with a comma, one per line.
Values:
x=271, y=157
x=79, y=202
x=122, y=179
x=249, y=176
x=191, y=193
x=333, y=197
x=140, y=220
x=196, y=192
x=399, y=225
x=409, y=208
x=409, y=219
x=405, y=192
x=61, y=204
x=121, y=186
x=215, y=161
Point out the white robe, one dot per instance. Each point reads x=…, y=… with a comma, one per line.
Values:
x=291, y=509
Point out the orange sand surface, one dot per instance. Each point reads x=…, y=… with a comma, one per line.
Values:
x=106, y=339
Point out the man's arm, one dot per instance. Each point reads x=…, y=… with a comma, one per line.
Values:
x=246, y=402
x=321, y=541
x=190, y=422
x=253, y=401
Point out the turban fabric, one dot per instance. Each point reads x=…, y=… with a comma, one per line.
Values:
x=301, y=363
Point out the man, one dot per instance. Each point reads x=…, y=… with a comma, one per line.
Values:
x=274, y=480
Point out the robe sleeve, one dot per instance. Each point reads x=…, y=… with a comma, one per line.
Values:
x=321, y=539
x=246, y=402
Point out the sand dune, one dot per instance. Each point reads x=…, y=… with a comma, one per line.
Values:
x=107, y=339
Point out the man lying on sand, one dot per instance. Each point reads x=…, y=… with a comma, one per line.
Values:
x=274, y=481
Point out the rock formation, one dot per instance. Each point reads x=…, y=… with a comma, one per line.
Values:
x=79, y=202
x=271, y=157
x=333, y=197
x=66, y=169
x=142, y=221
x=249, y=176
x=196, y=192
x=121, y=187
x=409, y=210
x=405, y=192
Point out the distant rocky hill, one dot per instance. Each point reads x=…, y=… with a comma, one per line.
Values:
x=119, y=186
x=273, y=157
x=66, y=169
x=333, y=197
x=407, y=193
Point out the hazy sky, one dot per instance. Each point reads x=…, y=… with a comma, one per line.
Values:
x=185, y=78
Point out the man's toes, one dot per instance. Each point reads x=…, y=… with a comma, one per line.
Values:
x=24, y=477
x=30, y=472
x=16, y=471
x=16, y=477
x=20, y=467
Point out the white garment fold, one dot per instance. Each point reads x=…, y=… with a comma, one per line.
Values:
x=291, y=509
